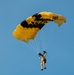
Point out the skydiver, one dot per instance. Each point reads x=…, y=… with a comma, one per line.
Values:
x=42, y=57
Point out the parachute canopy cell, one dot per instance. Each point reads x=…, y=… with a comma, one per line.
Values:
x=28, y=29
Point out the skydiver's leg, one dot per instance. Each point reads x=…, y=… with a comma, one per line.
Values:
x=44, y=65
x=41, y=65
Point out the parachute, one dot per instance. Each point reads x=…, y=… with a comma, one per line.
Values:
x=28, y=29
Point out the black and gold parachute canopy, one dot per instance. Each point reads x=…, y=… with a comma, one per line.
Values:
x=28, y=29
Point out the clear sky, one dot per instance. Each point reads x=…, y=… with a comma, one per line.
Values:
x=17, y=58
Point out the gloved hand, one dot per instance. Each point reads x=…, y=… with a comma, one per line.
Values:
x=44, y=52
x=39, y=54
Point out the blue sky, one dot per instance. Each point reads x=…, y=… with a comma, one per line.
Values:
x=17, y=58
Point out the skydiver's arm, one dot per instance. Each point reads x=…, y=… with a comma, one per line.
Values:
x=44, y=55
